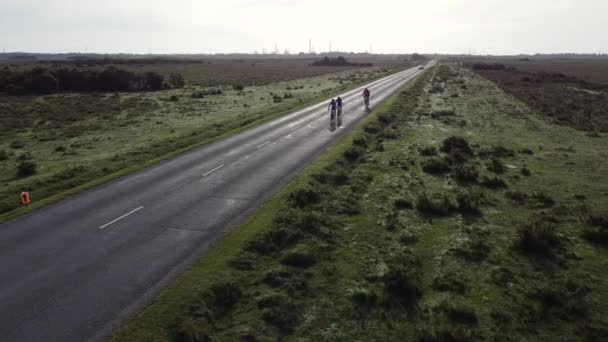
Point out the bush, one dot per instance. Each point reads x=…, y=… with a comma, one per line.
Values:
x=436, y=204
x=468, y=203
x=597, y=229
x=428, y=151
x=288, y=96
x=238, y=87
x=459, y=143
x=26, y=168
x=174, y=98
x=525, y=171
x=496, y=166
x=436, y=166
x=402, y=203
x=450, y=282
x=279, y=311
x=402, y=280
x=465, y=173
x=537, y=237
x=60, y=148
x=494, y=183
x=443, y=112
x=363, y=298
x=3, y=155
x=407, y=238
x=361, y=141
x=15, y=144
x=222, y=297
x=304, y=197
x=176, y=80
x=299, y=257
x=277, y=99
x=353, y=153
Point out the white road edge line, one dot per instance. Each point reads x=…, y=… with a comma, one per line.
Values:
x=212, y=171
x=264, y=144
x=235, y=163
x=121, y=217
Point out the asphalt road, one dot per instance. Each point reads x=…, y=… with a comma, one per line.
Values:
x=74, y=270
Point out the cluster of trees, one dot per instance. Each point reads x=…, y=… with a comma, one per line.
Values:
x=111, y=79
x=338, y=61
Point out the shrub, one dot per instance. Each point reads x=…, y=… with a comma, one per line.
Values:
x=60, y=148
x=428, y=151
x=238, y=87
x=299, y=257
x=353, y=153
x=402, y=279
x=465, y=173
x=456, y=143
x=436, y=204
x=436, y=166
x=496, y=151
x=274, y=240
x=24, y=156
x=174, y=98
x=277, y=99
x=402, y=203
x=442, y=112
x=597, y=229
x=450, y=282
x=288, y=96
x=26, y=168
x=517, y=196
x=3, y=155
x=279, y=311
x=496, y=166
x=222, y=297
x=361, y=141
x=537, y=237
x=16, y=144
x=363, y=298
x=304, y=197
x=494, y=183
x=458, y=149
x=176, y=80
x=525, y=171
x=407, y=238
x=543, y=200
x=468, y=203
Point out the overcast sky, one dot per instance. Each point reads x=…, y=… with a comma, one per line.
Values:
x=388, y=26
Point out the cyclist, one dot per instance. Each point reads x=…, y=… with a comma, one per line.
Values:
x=366, y=95
x=332, y=107
x=339, y=104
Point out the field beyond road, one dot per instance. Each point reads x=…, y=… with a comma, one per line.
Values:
x=455, y=213
x=53, y=143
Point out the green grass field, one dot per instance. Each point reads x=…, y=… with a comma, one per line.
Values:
x=77, y=138
x=455, y=213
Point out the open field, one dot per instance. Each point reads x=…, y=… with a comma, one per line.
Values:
x=52, y=143
x=455, y=213
x=563, y=91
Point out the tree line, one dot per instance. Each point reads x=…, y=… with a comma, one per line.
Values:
x=111, y=79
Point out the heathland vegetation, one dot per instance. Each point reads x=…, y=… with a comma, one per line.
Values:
x=455, y=213
x=64, y=124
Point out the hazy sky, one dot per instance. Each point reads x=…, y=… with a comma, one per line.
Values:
x=202, y=26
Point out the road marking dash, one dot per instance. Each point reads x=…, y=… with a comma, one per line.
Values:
x=121, y=217
x=264, y=144
x=212, y=171
x=235, y=163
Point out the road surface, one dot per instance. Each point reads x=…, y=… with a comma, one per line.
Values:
x=74, y=270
